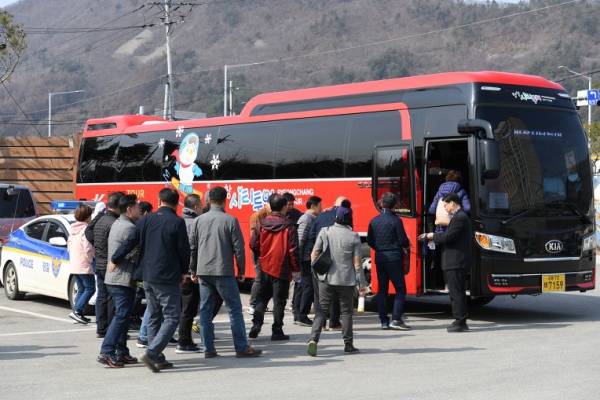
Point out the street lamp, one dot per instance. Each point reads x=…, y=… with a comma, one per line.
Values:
x=50, y=108
x=589, y=78
x=225, y=83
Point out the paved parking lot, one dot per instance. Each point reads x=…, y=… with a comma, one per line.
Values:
x=544, y=347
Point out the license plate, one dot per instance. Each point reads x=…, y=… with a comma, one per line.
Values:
x=553, y=283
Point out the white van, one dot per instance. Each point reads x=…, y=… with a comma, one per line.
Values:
x=17, y=206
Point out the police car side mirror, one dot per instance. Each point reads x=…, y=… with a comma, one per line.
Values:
x=58, y=241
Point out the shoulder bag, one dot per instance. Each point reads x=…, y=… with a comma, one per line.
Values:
x=322, y=263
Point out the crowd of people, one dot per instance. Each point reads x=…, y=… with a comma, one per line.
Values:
x=189, y=266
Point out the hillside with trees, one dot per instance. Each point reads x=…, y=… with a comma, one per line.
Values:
x=114, y=50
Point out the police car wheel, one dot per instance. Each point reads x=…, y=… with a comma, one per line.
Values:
x=11, y=283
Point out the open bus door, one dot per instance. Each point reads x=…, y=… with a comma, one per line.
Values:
x=394, y=171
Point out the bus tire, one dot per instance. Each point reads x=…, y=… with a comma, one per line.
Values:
x=479, y=301
x=11, y=283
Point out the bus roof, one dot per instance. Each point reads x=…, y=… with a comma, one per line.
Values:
x=119, y=124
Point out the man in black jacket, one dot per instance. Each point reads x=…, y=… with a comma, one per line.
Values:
x=456, y=253
x=388, y=238
x=105, y=307
x=165, y=259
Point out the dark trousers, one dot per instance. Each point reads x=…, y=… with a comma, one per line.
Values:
x=333, y=313
x=256, y=283
x=138, y=309
x=276, y=289
x=190, y=300
x=303, y=293
x=455, y=278
x=105, y=306
x=326, y=295
x=386, y=272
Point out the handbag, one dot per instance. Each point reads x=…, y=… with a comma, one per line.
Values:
x=322, y=263
x=441, y=215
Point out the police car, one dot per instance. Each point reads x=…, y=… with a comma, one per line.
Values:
x=35, y=259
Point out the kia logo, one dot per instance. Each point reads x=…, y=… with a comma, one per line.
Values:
x=554, y=246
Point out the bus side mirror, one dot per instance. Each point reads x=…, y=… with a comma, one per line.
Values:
x=475, y=127
x=490, y=158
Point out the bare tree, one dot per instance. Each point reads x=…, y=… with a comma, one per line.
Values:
x=12, y=45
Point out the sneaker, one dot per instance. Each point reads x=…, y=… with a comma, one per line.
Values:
x=457, y=328
x=163, y=365
x=305, y=322
x=253, y=334
x=279, y=336
x=250, y=310
x=187, y=349
x=149, y=362
x=349, y=349
x=196, y=328
x=128, y=359
x=385, y=326
x=142, y=344
x=210, y=355
x=172, y=342
x=312, y=348
x=86, y=319
x=399, y=325
x=250, y=352
x=78, y=317
x=100, y=335
x=111, y=361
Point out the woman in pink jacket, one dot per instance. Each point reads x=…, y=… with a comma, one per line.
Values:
x=81, y=254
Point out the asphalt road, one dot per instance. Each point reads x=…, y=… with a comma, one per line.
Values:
x=544, y=347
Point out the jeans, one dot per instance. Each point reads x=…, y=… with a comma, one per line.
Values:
x=304, y=293
x=386, y=272
x=190, y=297
x=144, y=326
x=164, y=309
x=85, y=290
x=226, y=287
x=115, y=341
x=458, y=299
x=326, y=296
x=278, y=290
x=105, y=307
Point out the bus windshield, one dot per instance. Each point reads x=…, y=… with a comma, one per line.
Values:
x=545, y=164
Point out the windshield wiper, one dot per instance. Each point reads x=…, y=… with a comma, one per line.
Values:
x=521, y=214
x=575, y=208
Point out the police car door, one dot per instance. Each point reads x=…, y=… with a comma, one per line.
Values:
x=55, y=262
x=27, y=246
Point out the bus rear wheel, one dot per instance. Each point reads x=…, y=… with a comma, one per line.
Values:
x=479, y=301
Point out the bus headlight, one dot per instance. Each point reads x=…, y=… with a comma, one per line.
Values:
x=495, y=243
x=589, y=243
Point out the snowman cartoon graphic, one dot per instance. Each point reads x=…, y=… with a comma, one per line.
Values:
x=185, y=166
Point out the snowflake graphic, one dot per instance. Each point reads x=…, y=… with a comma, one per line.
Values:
x=179, y=131
x=215, y=161
x=161, y=142
x=208, y=186
x=207, y=139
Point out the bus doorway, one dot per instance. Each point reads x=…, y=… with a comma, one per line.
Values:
x=442, y=156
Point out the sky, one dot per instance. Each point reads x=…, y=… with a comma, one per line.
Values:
x=4, y=3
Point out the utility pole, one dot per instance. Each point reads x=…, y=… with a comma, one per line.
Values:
x=168, y=22
x=168, y=108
